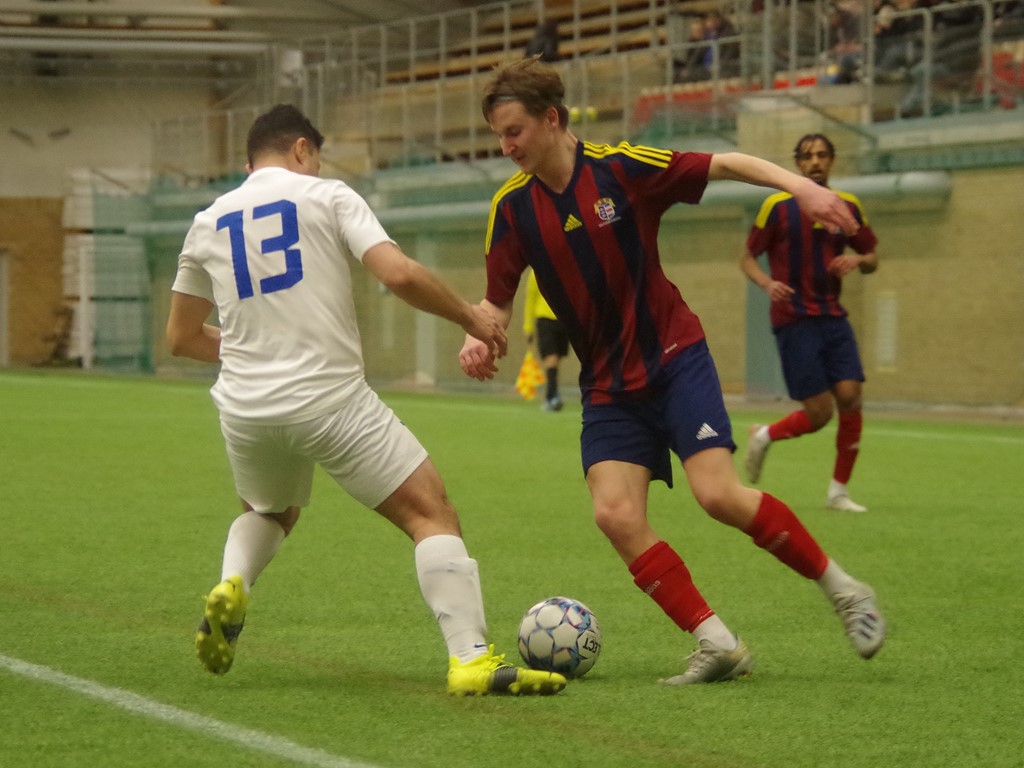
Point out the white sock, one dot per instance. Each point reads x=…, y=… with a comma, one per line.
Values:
x=714, y=630
x=835, y=580
x=450, y=583
x=836, y=489
x=253, y=540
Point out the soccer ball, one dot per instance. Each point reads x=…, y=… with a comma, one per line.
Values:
x=560, y=635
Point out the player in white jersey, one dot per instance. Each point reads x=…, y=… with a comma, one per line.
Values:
x=274, y=258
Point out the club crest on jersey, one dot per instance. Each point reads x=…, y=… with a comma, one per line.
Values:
x=605, y=210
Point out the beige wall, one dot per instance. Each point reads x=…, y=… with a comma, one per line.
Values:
x=955, y=279
x=48, y=130
x=941, y=321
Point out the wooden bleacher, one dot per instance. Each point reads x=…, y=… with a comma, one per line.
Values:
x=592, y=24
x=634, y=25
x=408, y=126
x=429, y=112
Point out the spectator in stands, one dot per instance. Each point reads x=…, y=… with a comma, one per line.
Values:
x=955, y=56
x=699, y=61
x=718, y=27
x=897, y=38
x=687, y=62
x=544, y=43
x=844, y=41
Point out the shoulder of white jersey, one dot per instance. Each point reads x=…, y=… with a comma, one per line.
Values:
x=853, y=200
x=768, y=205
x=658, y=158
x=329, y=181
x=227, y=194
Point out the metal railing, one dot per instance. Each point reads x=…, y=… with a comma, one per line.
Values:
x=407, y=92
x=950, y=47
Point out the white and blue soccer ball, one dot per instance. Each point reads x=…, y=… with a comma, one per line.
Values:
x=561, y=635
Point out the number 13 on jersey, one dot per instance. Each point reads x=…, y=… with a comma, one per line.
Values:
x=282, y=243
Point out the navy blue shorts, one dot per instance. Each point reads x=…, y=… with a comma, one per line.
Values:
x=817, y=352
x=685, y=416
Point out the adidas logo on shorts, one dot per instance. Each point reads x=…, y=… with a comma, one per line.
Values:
x=705, y=432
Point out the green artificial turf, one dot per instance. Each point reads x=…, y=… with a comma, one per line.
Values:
x=115, y=498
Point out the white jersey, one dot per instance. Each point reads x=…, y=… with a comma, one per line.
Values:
x=274, y=255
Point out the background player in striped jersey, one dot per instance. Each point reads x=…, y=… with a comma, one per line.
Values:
x=586, y=217
x=820, y=360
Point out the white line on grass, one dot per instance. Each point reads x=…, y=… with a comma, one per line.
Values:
x=246, y=737
x=881, y=430
x=958, y=437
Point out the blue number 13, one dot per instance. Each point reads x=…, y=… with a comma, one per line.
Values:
x=289, y=236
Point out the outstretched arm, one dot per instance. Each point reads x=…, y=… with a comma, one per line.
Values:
x=819, y=203
x=420, y=288
x=476, y=359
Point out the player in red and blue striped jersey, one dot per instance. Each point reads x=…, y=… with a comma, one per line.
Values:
x=585, y=217
x=820, y=360
x=621, y=313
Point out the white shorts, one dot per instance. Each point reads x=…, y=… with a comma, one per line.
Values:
x=362, y=445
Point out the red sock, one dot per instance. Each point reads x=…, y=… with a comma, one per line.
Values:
x=794, y=425
x=660, y=573
x=847, y=445
x=776, y=529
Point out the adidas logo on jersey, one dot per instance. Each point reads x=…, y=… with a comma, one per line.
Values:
x=572, y=223
x=705, y=432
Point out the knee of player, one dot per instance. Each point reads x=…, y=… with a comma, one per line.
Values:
x=616, y=520
x=820, y=414
x=821, y=419
x=849, y=404
x=717, y=501
x=286, y=519
x=435, y=516
x=728, y=502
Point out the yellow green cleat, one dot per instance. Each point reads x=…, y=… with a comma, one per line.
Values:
x=223, y=618
x=490, y=673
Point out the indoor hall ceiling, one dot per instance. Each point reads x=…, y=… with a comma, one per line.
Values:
x=263, y=19
x=156, y=39
x=358, y=12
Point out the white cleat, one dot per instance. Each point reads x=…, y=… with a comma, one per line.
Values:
x=864, y=624
x=843, y=503
x=757, y=449
x=711, y=664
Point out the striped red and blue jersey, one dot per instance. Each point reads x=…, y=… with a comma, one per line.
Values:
x=594, y=250
x=799, y=254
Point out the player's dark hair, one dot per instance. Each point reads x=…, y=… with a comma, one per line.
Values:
x=278, y=129
x=531, y=82
x=810, y=138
